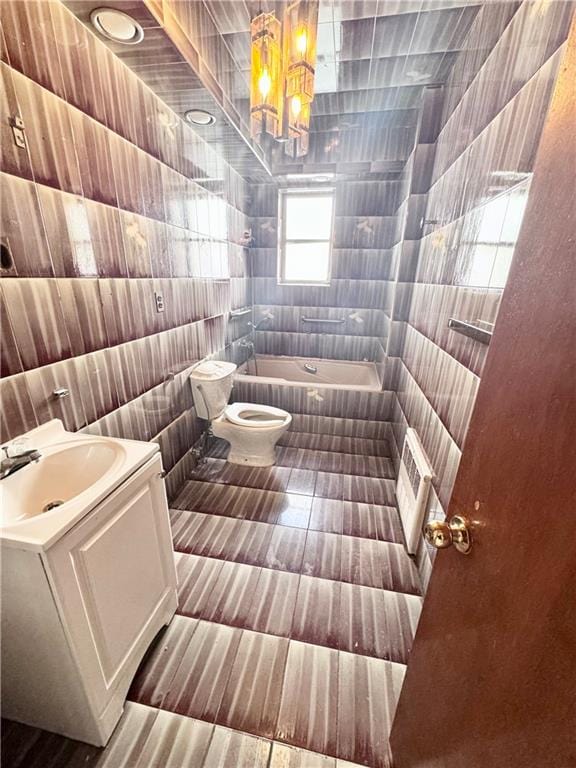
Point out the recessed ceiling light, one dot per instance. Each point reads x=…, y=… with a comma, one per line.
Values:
x=199, y=117
x=117, y=26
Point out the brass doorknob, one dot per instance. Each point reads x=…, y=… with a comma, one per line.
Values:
x=455, y=532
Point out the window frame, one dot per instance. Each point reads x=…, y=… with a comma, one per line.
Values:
x=283, y=196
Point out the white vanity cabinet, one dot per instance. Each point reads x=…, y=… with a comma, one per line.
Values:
x=78, y=617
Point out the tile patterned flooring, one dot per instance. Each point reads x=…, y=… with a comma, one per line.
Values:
x=297, y=609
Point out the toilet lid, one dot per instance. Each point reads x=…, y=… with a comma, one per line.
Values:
x=256, y=416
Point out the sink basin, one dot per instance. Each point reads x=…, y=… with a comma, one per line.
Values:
x=60, y=475
x=40, y=502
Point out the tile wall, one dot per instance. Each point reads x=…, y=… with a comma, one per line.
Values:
x=494, y=107
x=111, y=201
x=366, y=230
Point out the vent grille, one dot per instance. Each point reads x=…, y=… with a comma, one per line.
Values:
x=414, y=476
x=412, y=488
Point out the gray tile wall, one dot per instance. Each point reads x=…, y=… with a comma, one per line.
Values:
x=113, y=198
x=494, y=107
x=366, y=231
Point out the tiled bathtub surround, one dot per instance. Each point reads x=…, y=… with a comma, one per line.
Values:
x=113, y=200
x=495, y=103
x=365, y=232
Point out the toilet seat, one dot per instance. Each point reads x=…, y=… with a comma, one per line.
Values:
x=255, y=416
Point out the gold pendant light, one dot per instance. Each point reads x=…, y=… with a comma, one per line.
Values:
x=267, y=82
x=282, y=78
x=300, y=29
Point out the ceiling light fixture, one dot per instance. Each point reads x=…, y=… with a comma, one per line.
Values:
x=266, y=82
x=300, y=29
x=199, y=117
x=283, y=67
x=117, y=26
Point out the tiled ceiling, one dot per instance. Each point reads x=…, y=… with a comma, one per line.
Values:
x=374, y=59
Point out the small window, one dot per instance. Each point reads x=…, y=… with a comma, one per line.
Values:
x=305, y=235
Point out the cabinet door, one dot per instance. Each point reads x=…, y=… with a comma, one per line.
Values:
x=113, y=576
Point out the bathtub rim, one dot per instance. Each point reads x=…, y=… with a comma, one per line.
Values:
x=251, y=378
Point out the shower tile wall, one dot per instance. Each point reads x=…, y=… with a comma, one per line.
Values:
x=365, y=233
x=494, y=106
x=113, y=201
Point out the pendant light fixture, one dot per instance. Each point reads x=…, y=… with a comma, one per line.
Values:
x=300, y=29
x=282, y=77
x=266, y=84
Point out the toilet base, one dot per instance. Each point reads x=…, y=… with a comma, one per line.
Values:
x=267, y=459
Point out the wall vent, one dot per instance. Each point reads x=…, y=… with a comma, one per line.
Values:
x=412, y=488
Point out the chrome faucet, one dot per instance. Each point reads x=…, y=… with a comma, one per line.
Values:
x=14, y=457
x=246, y=343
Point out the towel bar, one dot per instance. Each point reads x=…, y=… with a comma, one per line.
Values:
x=470, y=329
x=323, y=320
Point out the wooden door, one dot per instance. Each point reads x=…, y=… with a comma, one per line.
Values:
x=491, y=681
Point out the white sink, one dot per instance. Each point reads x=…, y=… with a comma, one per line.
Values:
x=63, y=472
x=43, y=500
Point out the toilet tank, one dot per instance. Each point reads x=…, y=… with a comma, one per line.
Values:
x=211, y=383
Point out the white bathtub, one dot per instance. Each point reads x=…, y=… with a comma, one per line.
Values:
x=332, y=374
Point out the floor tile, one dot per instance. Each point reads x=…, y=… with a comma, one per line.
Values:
x=322, y=555
x=263, y=506
x=176, y=742
x=185, y=526
x=201, y=534
x=198, y=685
x=284, y=756
x=196, y=579
x=368, y=691
x=252, y=696
x=294, y=510
x=243, y=503
x=317, y=613
x=337, y=443
x=302, y=481
x=125, y=745
x=215, y=499
x=237, y=750
x=265, y=478
x=329, y=486
x=399, y=573
x=369, y=490
x=370, y=521
x=232, y=595
x=308, y=710
x=250, y=542
x=335, y=462
x=363, y=627
x=153, y=678
x=286, y=549
x=272, y=608
x=402, y=617
x=27, y=747
x=361, y=562
x=326, y=515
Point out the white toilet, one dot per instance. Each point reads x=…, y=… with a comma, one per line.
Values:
x=252, y=430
